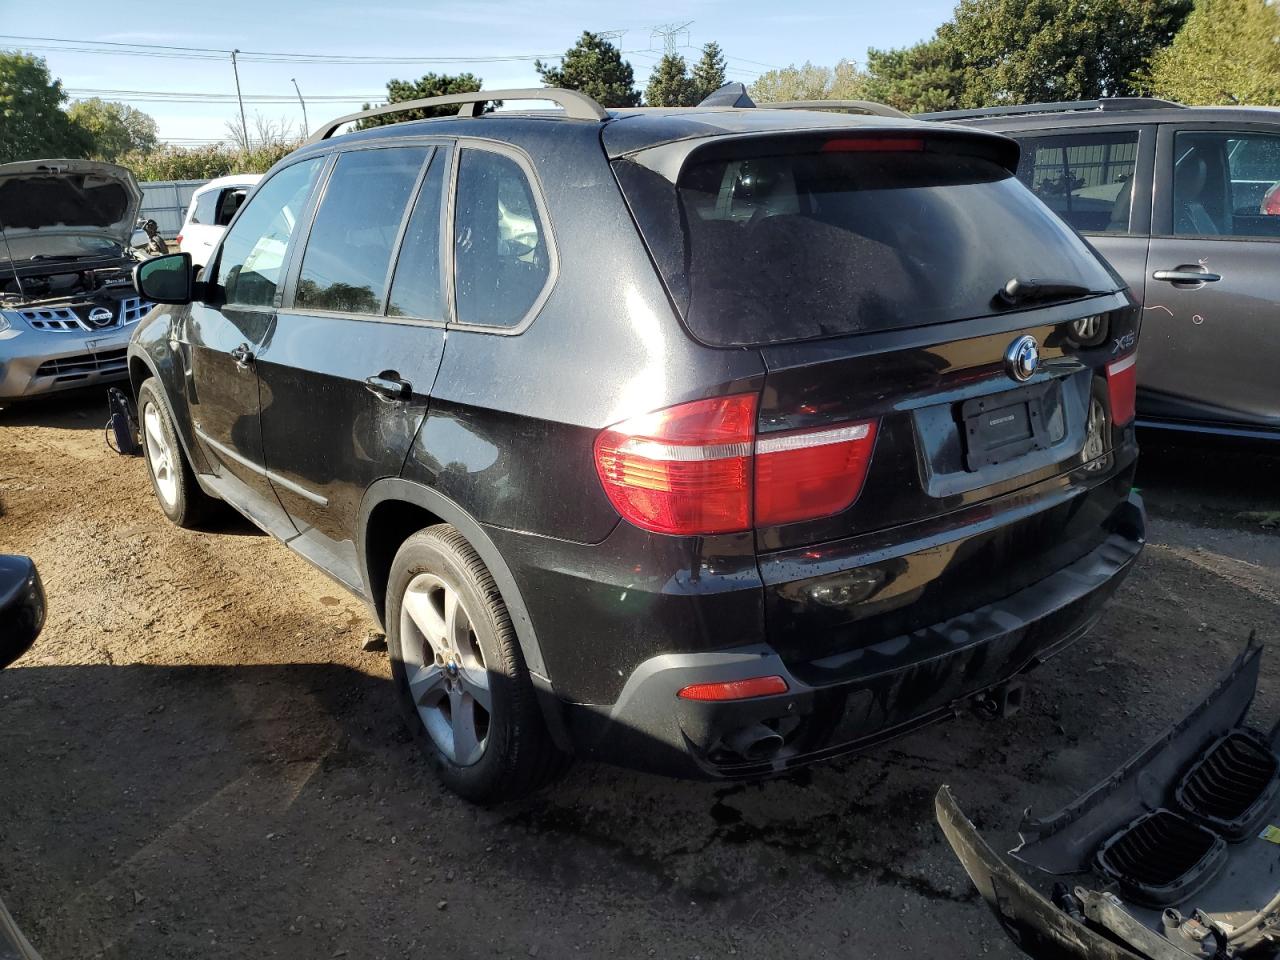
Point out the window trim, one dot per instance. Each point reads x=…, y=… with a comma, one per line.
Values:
x=286, y=268
x=1141, y=205
x=287, y=300
x=544, y=215
x=1162, y=211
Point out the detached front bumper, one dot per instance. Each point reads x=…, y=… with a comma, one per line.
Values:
x=890, y=688
x=35, y=362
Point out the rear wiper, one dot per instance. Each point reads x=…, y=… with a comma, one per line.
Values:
x=1018, y=291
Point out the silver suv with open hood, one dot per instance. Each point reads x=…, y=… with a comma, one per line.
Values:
x=67, y=303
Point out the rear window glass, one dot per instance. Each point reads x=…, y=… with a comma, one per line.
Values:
x=777, y=246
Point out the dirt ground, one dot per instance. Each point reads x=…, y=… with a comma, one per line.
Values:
x=199, y=760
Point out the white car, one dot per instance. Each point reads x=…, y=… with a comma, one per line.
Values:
x=212, y=207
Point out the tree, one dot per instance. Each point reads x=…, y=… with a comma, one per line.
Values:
x=809, y=82
x=113, y=128
x=33, y=122
x=916, y=79
x=1022, y=51
x=1227, y=52
x=708, y=72
x=670, y=85
x=429, y=85
x=264, y=132
x=595, y=67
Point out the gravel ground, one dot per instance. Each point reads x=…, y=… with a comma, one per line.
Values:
x=199, y=760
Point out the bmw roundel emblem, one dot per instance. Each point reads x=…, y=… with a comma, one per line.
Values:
x=1022, y=358
x=100, y=317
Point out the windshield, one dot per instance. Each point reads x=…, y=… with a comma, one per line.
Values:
x=29, y=246
x=781, y=245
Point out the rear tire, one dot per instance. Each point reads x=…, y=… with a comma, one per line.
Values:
x=460, y=678
x=172, y=479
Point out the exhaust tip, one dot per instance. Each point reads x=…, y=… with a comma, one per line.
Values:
x=755, y=742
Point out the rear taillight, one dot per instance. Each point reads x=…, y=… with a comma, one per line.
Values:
x=811, y=473
x=699, y=468
x=1122, y=388
x=179, y=240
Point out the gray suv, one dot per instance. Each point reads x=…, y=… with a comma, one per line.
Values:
x=1185, y=203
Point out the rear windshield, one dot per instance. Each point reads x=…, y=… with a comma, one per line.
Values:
x=765, y=244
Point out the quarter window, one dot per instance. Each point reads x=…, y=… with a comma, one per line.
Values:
x=205, y=207
x=1086, y=179
x=1226, y=184
x=416, y=291
x=253, y=254
x=501, y=255
x=348, y=253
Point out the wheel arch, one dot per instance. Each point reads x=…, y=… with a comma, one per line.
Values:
x=392, y=510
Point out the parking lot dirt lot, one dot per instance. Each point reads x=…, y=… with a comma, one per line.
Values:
x=199, y=760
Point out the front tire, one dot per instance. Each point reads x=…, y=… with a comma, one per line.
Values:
x=459, y=675
x=172, y=478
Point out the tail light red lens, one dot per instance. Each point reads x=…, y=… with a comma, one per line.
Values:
x=734, y=689
x=811, y=473
x=699, y=468
x=179, y=240
x=1122, y=386
x=684, y=470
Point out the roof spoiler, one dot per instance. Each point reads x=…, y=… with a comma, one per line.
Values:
x=576, y=106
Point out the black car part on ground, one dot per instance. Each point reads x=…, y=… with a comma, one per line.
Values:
x=22, y=607
x=1165, y=855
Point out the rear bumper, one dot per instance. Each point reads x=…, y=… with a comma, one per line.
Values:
x=860, y=698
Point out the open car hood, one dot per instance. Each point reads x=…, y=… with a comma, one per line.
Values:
x=68, y=197
x=1175, y=855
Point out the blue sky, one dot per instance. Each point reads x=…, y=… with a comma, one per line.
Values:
x=755, y=34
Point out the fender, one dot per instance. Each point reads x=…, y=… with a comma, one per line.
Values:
x=394, y=488
x=151, y=345
x=434, y=502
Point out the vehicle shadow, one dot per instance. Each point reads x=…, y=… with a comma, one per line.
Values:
x=196, y=811
x=73, y=410
x=1208, y=478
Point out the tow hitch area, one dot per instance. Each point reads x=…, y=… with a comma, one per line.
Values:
x=1175, y=855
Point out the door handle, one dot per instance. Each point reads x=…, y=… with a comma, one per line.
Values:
x=1186, y=276
x=388, y=386
x=243, y=356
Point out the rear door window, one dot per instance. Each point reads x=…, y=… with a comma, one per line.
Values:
x=501, y=250
x=768, y=242
x=228, y=203
x=1085, y=178
x=348, y=252
x=206, y=207
x=416, y=290
x=1226, y=184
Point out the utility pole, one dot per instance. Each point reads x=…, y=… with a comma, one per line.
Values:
x=306, y=129
x=672, y=34
x=244, y=124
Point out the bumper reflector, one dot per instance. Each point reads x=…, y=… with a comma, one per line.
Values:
x=734, y=689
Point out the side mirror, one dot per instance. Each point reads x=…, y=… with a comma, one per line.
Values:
x=21, y=607
x=167, y=279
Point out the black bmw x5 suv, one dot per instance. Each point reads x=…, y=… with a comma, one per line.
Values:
x=714, y=440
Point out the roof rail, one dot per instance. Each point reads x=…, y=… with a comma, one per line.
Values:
x=1106, y=104
x=576, y=106
x=837, y=106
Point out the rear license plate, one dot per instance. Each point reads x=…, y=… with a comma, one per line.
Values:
x=1003, y=426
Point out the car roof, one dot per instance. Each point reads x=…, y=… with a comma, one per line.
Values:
x=628, y=130
x=1048, y=120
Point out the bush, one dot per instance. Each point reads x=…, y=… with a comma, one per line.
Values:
x=203, y=163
